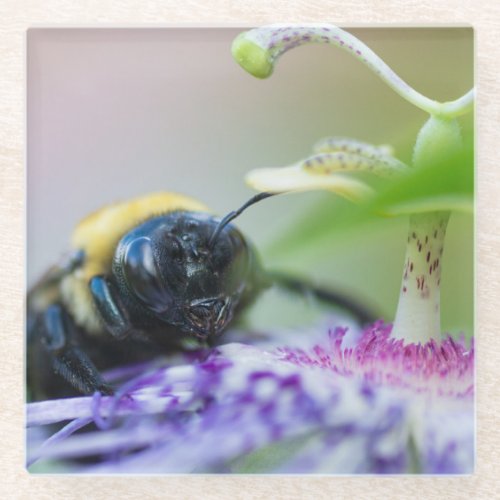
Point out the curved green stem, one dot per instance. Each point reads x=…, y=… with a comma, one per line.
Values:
x=460, y=106
x=257, y=51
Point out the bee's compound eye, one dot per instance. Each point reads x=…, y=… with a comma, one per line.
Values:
x=142, y=275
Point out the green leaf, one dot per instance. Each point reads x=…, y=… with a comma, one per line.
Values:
x=445, y=185
x=272, y=456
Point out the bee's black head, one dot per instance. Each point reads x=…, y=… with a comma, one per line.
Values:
x=174, y=269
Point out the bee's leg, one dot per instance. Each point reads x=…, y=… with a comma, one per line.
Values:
x=68, y=359
x=355, y=308
x=111, y=310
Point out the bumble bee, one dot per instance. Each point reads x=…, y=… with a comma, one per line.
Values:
x=145, y=276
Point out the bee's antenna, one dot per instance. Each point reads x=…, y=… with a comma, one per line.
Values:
x=232, y=215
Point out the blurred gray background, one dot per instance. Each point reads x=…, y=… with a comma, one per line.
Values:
x=114, y=113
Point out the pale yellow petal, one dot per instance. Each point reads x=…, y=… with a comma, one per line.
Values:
x=294, y=178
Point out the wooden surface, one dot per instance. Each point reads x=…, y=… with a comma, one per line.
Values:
x=17, y=17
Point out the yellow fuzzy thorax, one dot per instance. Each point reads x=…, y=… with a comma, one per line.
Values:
x=98, y=235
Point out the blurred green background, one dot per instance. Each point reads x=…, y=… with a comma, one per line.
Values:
x=114, y=113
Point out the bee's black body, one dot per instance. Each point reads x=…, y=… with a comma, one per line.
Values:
x=145, y=277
